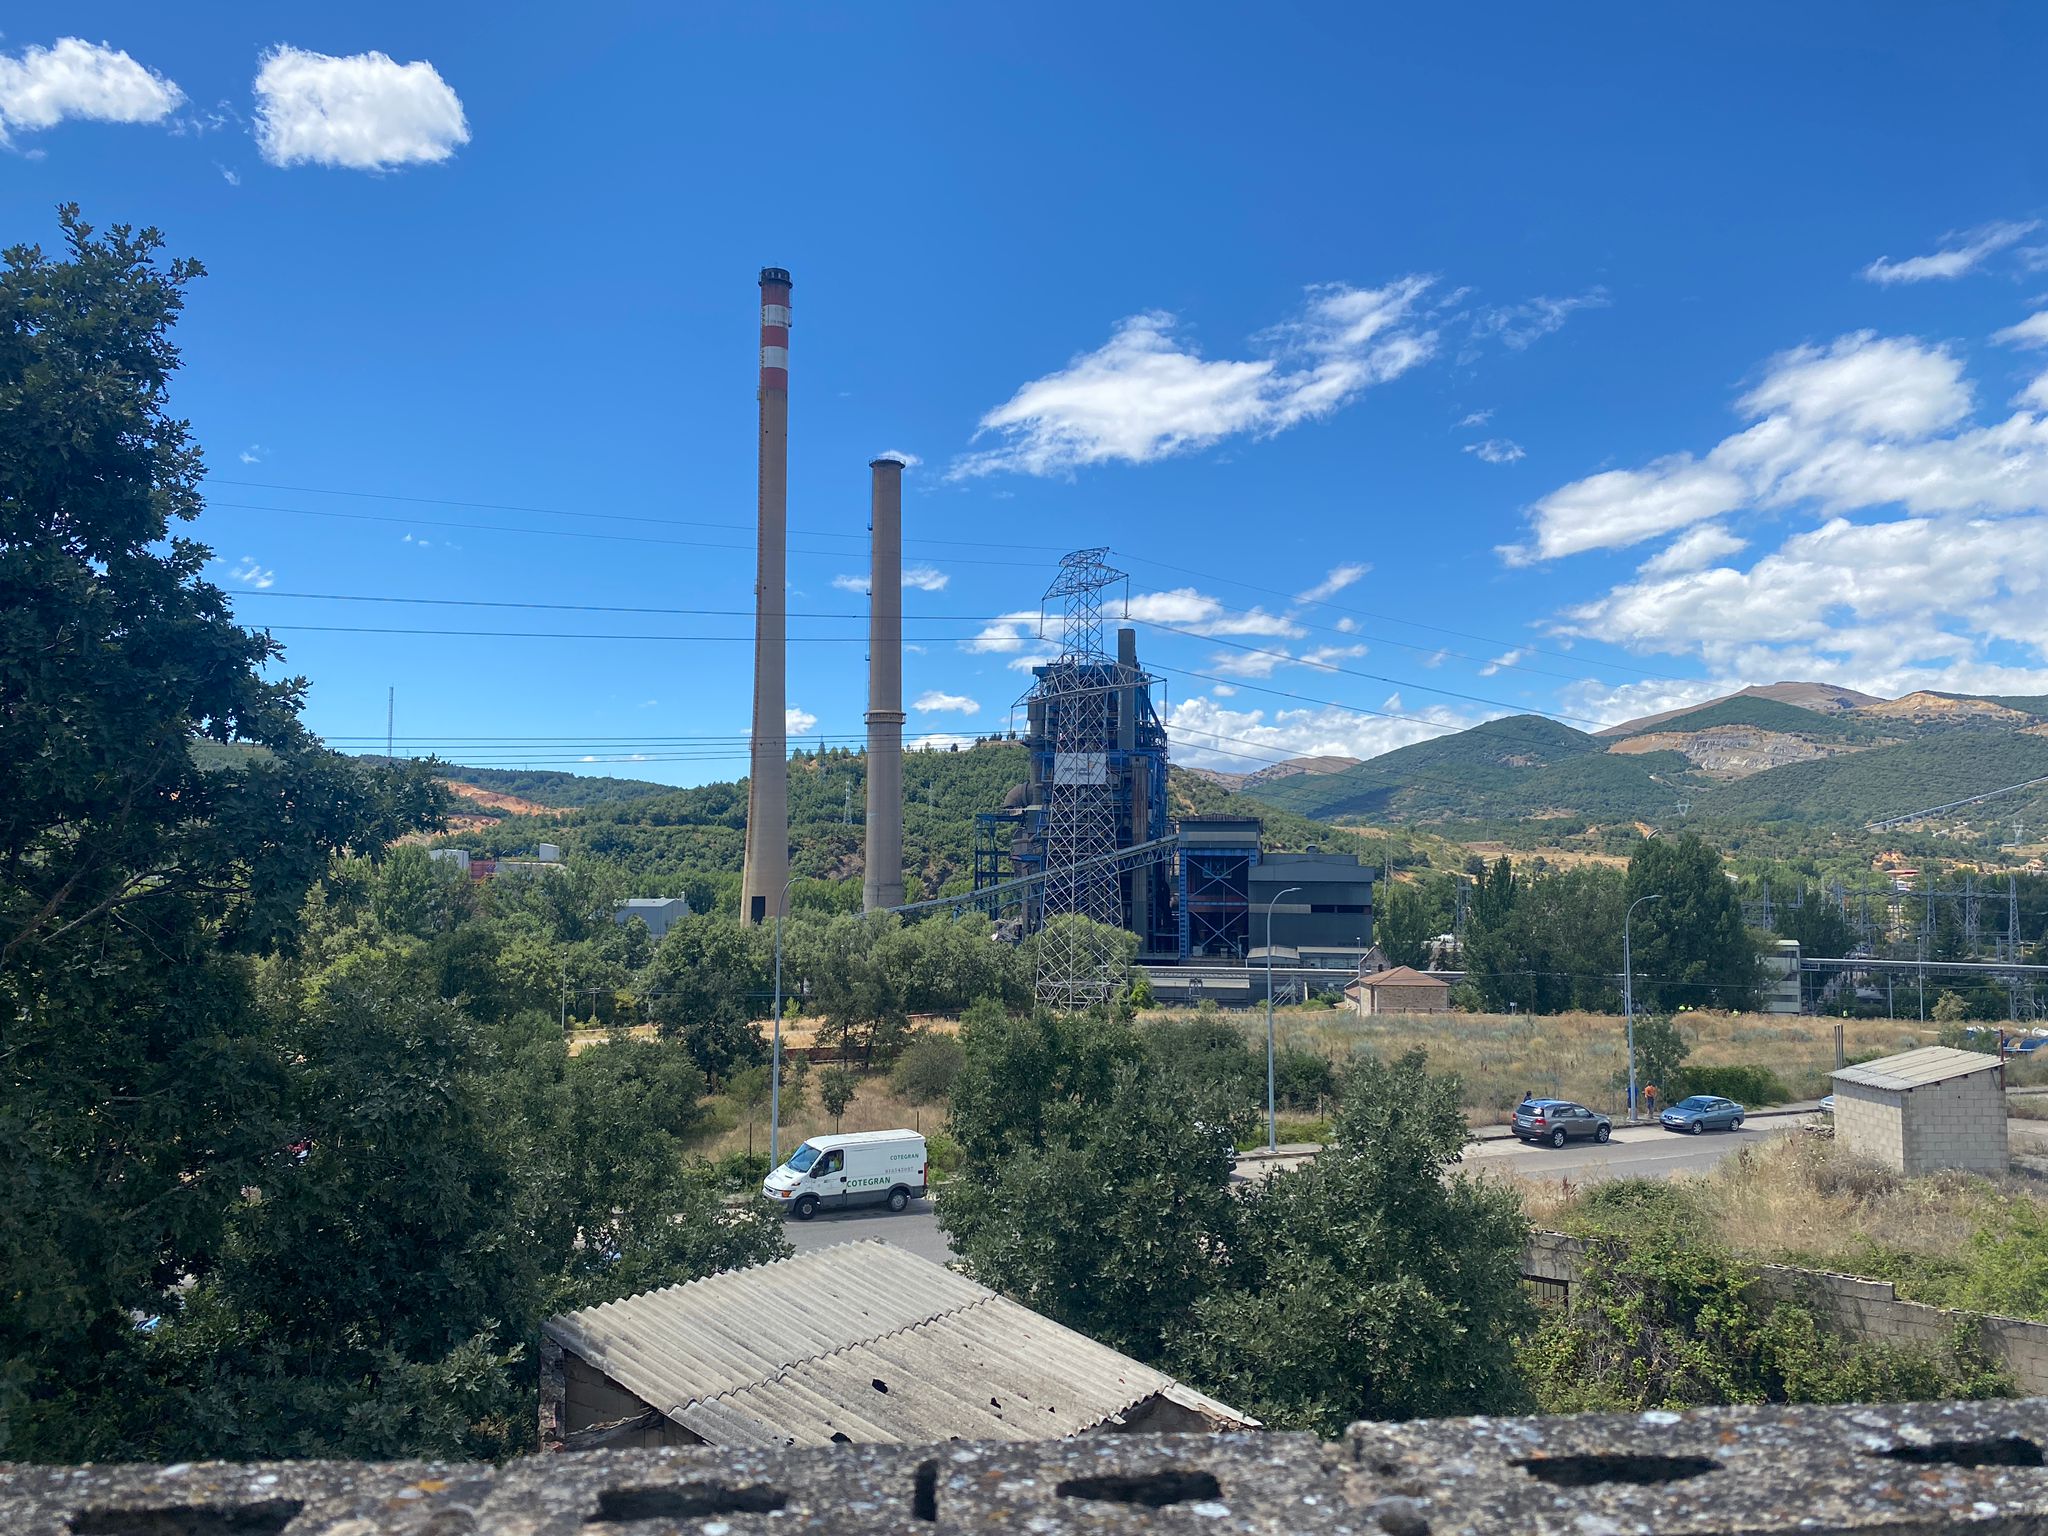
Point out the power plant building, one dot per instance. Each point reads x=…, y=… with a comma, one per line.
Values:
x=1195, y=889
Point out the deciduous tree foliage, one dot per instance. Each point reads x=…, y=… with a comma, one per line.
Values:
x=1690, y=947
x=136, y=1095
x=1373, y=1283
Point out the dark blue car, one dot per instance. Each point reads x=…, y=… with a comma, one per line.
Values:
x=1702, y=1112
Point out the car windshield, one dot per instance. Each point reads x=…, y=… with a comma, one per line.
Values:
x=805, y=1156
x=1696, y=1102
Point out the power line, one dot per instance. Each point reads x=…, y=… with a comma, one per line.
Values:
x=534, y=634
x=620, y=517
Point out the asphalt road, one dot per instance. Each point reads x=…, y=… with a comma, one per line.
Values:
x=1639, y=1152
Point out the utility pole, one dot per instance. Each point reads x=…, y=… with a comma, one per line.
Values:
x=390, y=720
x=775, y=1058
x=1628, y=996
x=1272, y=1120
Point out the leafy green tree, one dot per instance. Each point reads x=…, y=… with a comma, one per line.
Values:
x=164, y=816
x=1208, y=1064
x=1303, y=1079
x=705, y=990
x=1660, y=1056
x=1374, y=1283
x=1018, y=1070
x=927, y=1069
x=1111, y=1221
x=1404, y=922
x=1690, y=946
x=857, y=980
x=1816, y=922
x=1141, y=996
x=1950, y=1008
x=837, y=1087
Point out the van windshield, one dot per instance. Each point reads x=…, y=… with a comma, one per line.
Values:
x=805, y=1156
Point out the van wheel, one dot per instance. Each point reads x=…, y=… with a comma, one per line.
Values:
x=1557, y=1137
x=1602, y=1134
x=805, y=1208
x=899, y=1198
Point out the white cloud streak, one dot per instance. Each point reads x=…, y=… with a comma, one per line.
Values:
x=251, y=574
x=2030, y=332
x=1201, y=614
x=1497, y=450
x=1346, y=575
x=364, y=112
x=72, y=78
x=798, y=721
x=1145, y=394
x=1959, y=254
x=1523, y=325
x=1691, y=550
x=933, y=702
x=1207, y=734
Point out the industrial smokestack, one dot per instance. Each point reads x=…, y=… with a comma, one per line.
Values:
x=764, y=884
x=884, y=885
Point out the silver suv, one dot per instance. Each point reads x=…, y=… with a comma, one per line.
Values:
x=1558, y=1121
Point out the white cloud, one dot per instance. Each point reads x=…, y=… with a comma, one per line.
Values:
x=907, y=460
x=1477, y=419
x=1201, y=614
x=250, y=574
x=798, y=721
x=1522, y=325
x=857, y=584
x=2030, y=332
x=41, y=87
x=1688, y=552
x=1505, y=659
x=939, y=741
x=365, y=112
x=1953, y=259
x=925, y=578
x=2035, y=394
x=1864, y=384
x=933, y=702
x=1324, y=658
x=1348, y=574
x=1623, y=506
x=1347, y=626
x=1497, y=450
x=1005, y=634
x=1223, y=691
x=1865, y=422
x=1206, y=734
x=253, y=454
x=1146, y=395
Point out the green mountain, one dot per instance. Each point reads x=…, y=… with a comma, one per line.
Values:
x=567, y=790
x=1860, y=787
x=1517, y=768
x=1764, y=715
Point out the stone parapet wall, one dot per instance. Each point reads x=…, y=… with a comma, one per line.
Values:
x=1974, y=1467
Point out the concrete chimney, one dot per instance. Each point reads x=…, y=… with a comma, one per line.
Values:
x=763, y=884
x=884, y=885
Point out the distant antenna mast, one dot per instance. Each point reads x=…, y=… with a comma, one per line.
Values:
x=390, y=720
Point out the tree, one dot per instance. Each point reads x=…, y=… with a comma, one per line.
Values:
x=1405, y=922
x=1209, y=1066
x=858, y=980
x=708, y=977
x=1660, y=1055
x=836, y=1089
x=926, y=1070
x=1374, y=1283
x=1690, y=947
x=1950, y=1008
x=1111, y=1221
x=165, y=815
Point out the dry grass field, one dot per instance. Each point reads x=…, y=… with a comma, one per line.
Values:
x=1499, y=1057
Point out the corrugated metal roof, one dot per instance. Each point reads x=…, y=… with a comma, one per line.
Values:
x=1915, y=1069
x=791, y=1353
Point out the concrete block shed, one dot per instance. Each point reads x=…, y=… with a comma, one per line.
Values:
x=1925, y=1110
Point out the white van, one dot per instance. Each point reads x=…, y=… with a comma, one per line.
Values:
x=830, y=1173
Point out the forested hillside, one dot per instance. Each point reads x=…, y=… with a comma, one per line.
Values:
x=1885, y=781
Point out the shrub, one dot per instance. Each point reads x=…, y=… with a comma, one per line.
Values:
x=925, y=1071
x=1302, y=1079
x=1749, y=1086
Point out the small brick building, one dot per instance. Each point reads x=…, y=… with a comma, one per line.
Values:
x=1925, y=1110
x=1400, y=990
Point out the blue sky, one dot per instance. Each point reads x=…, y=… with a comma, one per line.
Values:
x=1418, y=365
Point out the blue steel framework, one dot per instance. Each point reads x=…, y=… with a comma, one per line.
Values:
x=1214, y=904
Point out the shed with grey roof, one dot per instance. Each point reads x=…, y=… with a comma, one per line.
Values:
x=862, y=1343
x=1924, y=1110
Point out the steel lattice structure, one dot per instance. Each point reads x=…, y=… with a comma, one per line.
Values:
x=1079, y=965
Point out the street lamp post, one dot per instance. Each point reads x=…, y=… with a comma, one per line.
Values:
x=775, y=1055
x=1272, y=1121
x=1628, y=996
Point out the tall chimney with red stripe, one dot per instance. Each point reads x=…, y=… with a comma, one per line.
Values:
x=764, y=884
